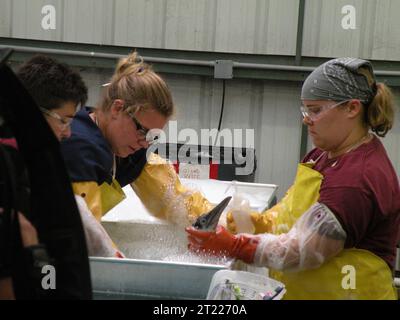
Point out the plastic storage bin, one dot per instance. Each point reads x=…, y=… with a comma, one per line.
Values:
x=241, y=285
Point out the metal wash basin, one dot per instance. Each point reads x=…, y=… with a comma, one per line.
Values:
x=158, y=265
x=146, y=279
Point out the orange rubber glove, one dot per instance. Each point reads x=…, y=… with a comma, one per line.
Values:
x=222, y=242
x=119, y=254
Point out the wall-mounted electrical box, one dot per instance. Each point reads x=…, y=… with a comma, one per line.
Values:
x=223, y=69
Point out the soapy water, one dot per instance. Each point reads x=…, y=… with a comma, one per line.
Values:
x=165, y=252
x=198, y=257
x=176, y=206
x=162, y=242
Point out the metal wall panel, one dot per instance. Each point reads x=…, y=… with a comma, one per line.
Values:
x=257, y=26
x=94, y=78
x=89, y=21
x=27, y=20
x=140, y=23
x=191, y=25
x=375, y=36
x=280, y=130
x=251, y=26
x=392, y=139
x=5, y=18
x=239, y=26
x=385, y=36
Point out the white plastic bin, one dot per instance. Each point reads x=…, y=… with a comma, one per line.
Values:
x=241, y=285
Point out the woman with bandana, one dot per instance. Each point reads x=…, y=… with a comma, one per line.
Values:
x=334, y=234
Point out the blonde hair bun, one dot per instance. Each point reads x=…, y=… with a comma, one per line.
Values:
x=133, y=63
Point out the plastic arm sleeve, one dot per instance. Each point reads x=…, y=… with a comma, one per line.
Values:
x=98, y=242
x=163, y=195
x=316, y=237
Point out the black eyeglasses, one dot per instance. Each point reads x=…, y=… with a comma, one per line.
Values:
x=142, y=130
x=151, y=136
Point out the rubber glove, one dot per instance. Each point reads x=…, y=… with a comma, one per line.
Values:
x=263, y=222
x=222, y=242
x=119, y=254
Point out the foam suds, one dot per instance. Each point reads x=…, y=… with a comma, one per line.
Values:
x=159, y=242
x=191, y=257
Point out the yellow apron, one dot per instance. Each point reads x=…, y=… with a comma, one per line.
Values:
x=99, y=199
x=353, y=274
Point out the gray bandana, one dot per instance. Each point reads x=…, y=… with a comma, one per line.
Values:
x=338, y=80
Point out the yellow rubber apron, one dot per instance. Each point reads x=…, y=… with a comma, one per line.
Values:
x=111, y=195
x=99, y=199
x=353, y=274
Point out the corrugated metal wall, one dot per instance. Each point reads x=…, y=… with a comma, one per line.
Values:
x=240, y=26
x=251, y=26
x=376, y=35
x=392, y=140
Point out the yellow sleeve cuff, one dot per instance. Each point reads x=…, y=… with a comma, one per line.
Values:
x=90, y=192
x=162, y=193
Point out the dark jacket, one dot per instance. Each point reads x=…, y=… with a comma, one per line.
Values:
x=52, y=206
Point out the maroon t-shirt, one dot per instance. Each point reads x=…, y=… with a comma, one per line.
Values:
x=362, y=189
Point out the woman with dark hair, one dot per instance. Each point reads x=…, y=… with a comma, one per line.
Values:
x=58, y=90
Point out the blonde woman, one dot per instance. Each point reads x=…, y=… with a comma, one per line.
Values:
x=108, y=144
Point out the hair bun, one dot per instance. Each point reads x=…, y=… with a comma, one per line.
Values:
x=131, y=64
